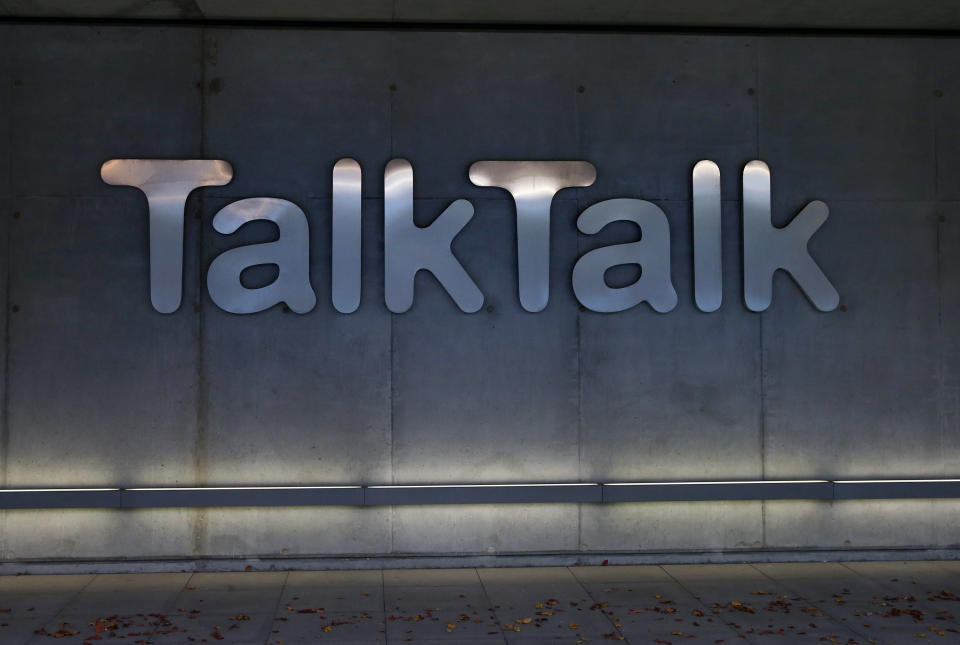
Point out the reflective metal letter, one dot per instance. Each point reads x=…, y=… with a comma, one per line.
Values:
x=166, y=183
x=407, y=248
x=707, y=250
x=291, y=253
x=767, y=248
x=651, y=252
x=533, y=185
x=345, y=275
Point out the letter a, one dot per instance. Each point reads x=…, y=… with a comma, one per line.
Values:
x=767, y=248
x=651, y=252
x=291, y=253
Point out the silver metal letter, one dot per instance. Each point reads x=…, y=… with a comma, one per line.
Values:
x=291, y=253
x=409, y=248
x=707, y=250
x=533, y=185
x=346, y=239
x=166, y=183
x=651, y=252
x=767, y=248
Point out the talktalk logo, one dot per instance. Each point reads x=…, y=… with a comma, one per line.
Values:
x=409, y=248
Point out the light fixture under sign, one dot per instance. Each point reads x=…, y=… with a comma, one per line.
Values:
x=529, y=493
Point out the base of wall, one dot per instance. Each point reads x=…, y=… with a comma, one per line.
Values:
x=452, y=561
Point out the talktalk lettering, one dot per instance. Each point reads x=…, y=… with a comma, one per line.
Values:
x=409, y=248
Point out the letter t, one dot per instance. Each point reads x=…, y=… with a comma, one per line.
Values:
x=166, y=183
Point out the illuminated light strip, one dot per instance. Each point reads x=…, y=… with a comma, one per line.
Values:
x=245, y=488
x=894, y=481
x=721, y=483
x=60, y=498
x=242, y=496
x=717, y=491
x=425, y=494
x=483, y=494
x=56, y=490
x=478, y=485
x=896, y=488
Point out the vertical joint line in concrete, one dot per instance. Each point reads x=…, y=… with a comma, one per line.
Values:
x=936, y=158
x=5, y=395
x=576, y=118
x=393, y=456
x=10, y=96
x=934, y=118
x=393, y=478
x=763, y=400
x=578, y=125
x=203, y=86
x=756, y=93
x=5, y=420
x=755, y=43
x=763, y=428
x=579, y=341
x=5, y=413
x=941, y=350
x=200, y=448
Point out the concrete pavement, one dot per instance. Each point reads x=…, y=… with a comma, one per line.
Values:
x=869, y=602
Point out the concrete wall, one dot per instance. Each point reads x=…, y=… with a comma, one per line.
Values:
x=100, y=390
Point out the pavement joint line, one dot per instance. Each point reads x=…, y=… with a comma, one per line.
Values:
x=707, y=608
x=833, y=618
x=616, y=629
x=885, y=585
x=171, y=605
x=75, y=596
x=276, y=608
x=490, y=608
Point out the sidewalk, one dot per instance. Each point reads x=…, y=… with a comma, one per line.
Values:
x=875, y=602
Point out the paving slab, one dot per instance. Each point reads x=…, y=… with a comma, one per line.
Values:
x=756, y=606
x=333, y=591
x=545, y=602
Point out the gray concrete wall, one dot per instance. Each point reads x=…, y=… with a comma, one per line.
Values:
x=100, y=390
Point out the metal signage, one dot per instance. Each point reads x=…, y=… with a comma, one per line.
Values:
x=409, y=248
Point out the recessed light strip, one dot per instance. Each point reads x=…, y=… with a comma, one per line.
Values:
x=571, y=493
x=242, y=496
x=717, y=491
x=432, y=494
x=897, y=488
x=60, y=498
